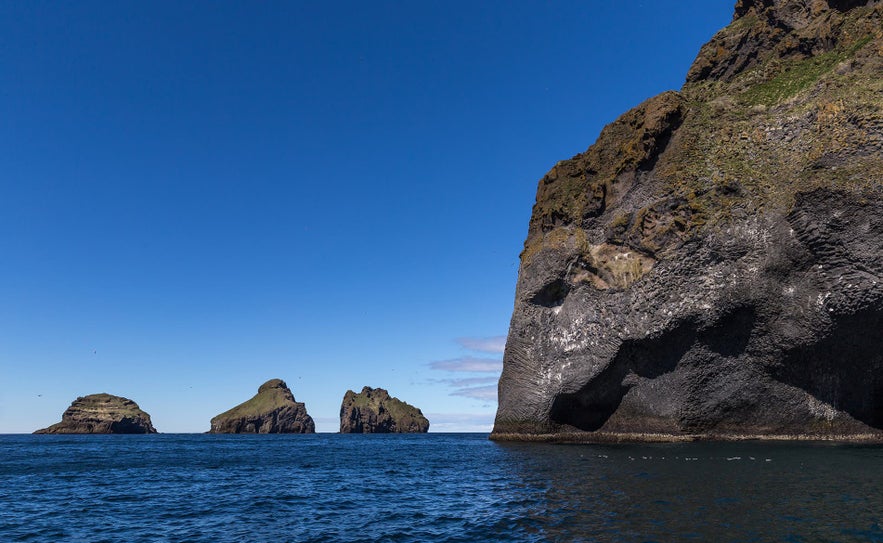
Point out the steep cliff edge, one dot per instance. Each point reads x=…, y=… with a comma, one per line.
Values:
x=102, y=414
x=272, y=410
x=374, y=411
x=712, y=267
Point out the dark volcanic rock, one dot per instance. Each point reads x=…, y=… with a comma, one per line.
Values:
x=102, y=414
x=712, y=266
x=374, y=411
x=271, y=411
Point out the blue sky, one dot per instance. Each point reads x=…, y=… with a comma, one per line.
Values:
x=197, y=198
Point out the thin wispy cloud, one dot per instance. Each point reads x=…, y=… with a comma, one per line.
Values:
x=468, y=381
x=486, y=393
x=465, y=382
x=468, y=364
x=480, y=387
x=494, y=344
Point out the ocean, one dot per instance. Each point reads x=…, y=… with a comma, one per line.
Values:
x=431, y=487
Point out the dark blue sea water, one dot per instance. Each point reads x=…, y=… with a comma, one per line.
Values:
x=435, y=487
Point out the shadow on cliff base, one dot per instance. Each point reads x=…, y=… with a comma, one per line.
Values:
x=590, y=407
x=844, y=369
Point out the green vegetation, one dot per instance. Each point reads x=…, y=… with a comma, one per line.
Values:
x=561, y=237
x=372, y=398
x=791, y=81
x=265, y=401
x=586, y=185
x=799, y=76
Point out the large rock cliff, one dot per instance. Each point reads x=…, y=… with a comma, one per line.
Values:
x=102, y=414
x=271, y=411
x=712, y=266
x=374, y=411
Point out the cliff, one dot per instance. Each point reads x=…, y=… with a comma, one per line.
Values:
x=374, y=411
x=102, y=414
x=712, y=267
x=271, y=411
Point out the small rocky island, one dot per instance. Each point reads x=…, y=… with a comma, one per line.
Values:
x=374, y=411
x=272, y=410
x=102, y=414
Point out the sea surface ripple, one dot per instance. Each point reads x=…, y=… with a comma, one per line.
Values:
x=434, y=487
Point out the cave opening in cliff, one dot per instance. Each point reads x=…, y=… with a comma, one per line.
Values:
x=591, y=407
x=844, y=369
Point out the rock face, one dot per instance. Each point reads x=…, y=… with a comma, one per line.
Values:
x=271, y=411
x=374, y=411
x=712, y=267
x=102, y=414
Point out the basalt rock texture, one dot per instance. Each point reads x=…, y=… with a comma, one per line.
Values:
x=712, y=267
x=102, y=414
x=374, y=411
x=271, y=411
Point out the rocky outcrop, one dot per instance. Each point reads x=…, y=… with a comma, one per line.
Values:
x=712, y=267
x=374, y=411
x=770, y=31
x=102, y=414
x=271, y=411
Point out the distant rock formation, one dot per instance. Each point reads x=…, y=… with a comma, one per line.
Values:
x=712, y=267
x=271, y=411
x=374, y=411
x=102, y=414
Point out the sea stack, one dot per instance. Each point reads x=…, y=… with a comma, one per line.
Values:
x=102, y=414
x=712, y=266
x=374, y=411
x=271, y=411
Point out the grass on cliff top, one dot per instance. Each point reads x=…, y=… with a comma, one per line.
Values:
x=745, y=145
x=799, y=76
x=396, y=407
x=728, y=139
x=262, y=402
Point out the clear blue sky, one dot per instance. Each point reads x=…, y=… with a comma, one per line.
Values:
x=197, y=198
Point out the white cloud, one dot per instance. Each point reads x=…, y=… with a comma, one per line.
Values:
x=495, y=344
x=460, y=422
x=468, y=364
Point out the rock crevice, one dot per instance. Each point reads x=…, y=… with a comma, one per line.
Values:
x=374, y=411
